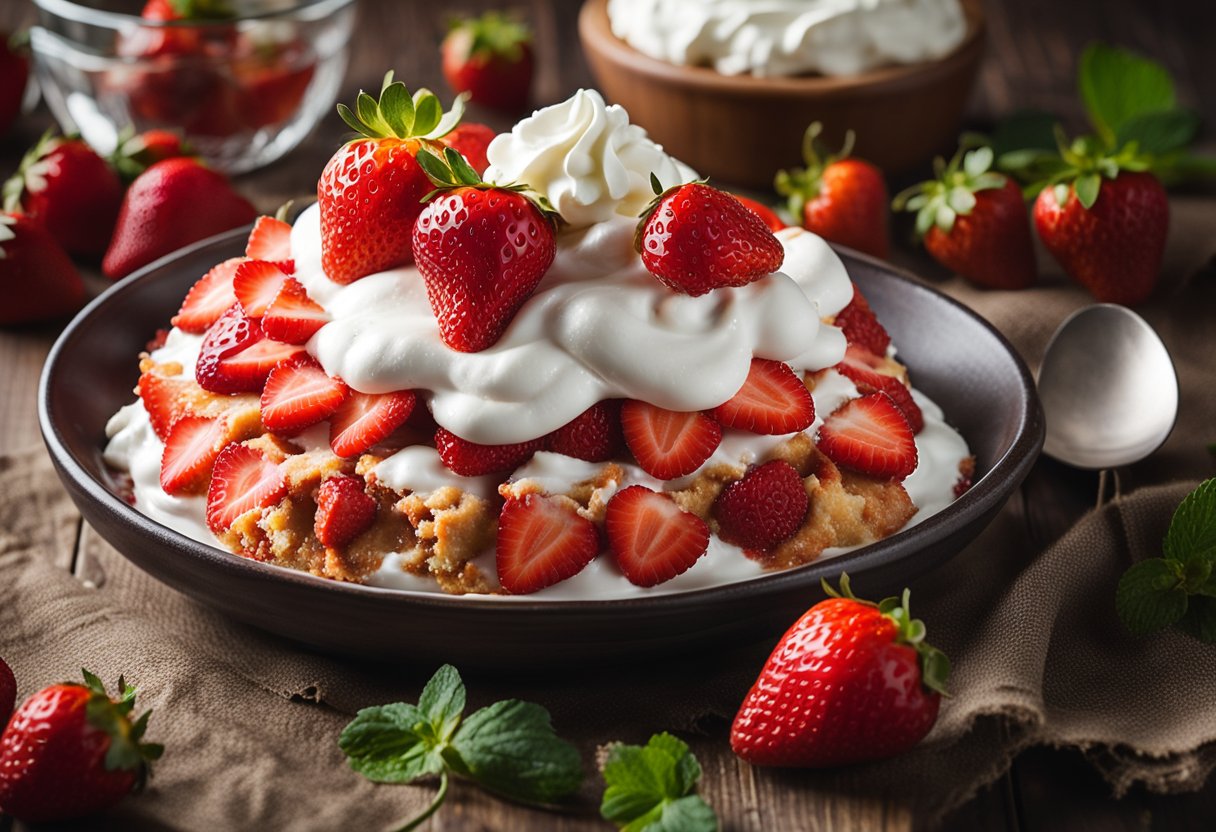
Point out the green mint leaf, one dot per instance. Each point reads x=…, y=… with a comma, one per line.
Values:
x=387, y=744
x=510, y=748
x=1192, y=533
x=1200, y=618
x=652, y=788
x=688, y=814
x=1028, y=130
x=1159, y=133
x=1117, y=85
x=442, y=701
x=1150, y=596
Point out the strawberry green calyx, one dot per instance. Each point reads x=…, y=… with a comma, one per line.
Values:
x=938, y=202
x=1081, y=163
x=127, y=750
x=934, y=666
x=802, y=185
x=398, y=115
x=203, y=9
x=31, y=173
x=492, y=35
x=453, y=171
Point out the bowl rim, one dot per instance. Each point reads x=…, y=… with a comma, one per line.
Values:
x=597, y=36
x=106, y=19
x=983, y=498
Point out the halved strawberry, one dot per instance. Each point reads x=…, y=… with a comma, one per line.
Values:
x=773, y=400
x=209, y=298
x=859, y=367
x=594, y=435
x=246, y=370
x=271, y=240
x=541, y=542
x=162, y=398
x=242, y=480
x=233, y=332
x=190, y=451
x=652, y=538
x=256, y=285
x=468, y=459
x=764, y=509
x=365, y=419
x=870, y=435
x=293, y=317
x=861, y=327
x=344, y=511
x=666, y=443
x=299, y=394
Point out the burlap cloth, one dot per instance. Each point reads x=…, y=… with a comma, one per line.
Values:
x=250, y=722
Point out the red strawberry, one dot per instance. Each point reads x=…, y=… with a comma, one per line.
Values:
x=849, y=682
x=593, y=435
x=774, y=222
x=209, y=298
x=137, y=152
x=14, y=73
x=190, y=451
x=841, y=199
x=162, y=398
x=870, y=435
x=764, y=509
x=270, y=240
x=344, y=511
x=71, y=190
x=293, y=317
x=490, y=58
x=773, y=400
x=299, y=394
x=471, y=140
x=468, y=459
x=365, y=419
x=371, y=191
x=859, y=366
x=542, y=542
x=860, y=325
x=37, y=280
x=652, y=538
x=235, y=356
x=242, y=480
x=8, y=692
x=70, y=751
x=974, y=222
x=668, y=444
x=1113, y=246
x=170, y=205
x=481, y=250
x=695, y=238
x=256, y=284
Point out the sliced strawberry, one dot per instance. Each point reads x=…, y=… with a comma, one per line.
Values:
x=344, y=511
x=668, y=444
x=652, y=538
x=190, y=451
x=365, y=419
x=256, y=285
x=271, y=240
x=870, y=435
x=902, y=397
x=859, y=367
x=247, y=370
x=542, y=542
x=764, y=509
x=209, y=298
x=162, y=398
x=242, y=480
x=293, y=317
x=299, y=394
x=861, y=327
x=468, y=459
x=773, y=400
x=594, y=435
x=233, y=332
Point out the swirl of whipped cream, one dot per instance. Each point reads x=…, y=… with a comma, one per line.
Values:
x=586, y=157
x=789, y=37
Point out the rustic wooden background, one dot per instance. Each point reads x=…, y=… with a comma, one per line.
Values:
x=1033, y=46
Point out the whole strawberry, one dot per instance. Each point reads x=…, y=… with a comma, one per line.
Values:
x=14, y=73
x=136, y=152
x=481, y=248
x=851, y=681
x=371, y=191
x=71, y=190
x=841, y=199
x=70, y=751
x=1108, y=233
x=695, y=238
x=37, y=279
x=973, y=221
x=490, y=58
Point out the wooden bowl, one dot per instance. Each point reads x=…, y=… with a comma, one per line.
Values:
x=742, y=129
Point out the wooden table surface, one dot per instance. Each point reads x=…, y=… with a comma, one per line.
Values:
x=1033, y=46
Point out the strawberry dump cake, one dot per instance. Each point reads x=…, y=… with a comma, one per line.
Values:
x=577, y=372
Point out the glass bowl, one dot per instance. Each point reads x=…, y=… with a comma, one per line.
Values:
x=243, y=91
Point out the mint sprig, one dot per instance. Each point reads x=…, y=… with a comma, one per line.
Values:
x=508, y=748
x=653, y=788
x=1180, y=587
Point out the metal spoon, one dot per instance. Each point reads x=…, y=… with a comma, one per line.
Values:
x=1109, y=390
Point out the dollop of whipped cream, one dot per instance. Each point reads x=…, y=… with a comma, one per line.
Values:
x=586, y=158
x=789, y=37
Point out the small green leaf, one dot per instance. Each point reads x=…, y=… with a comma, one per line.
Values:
x=1192, y=532
x=427, y=111
x=450, y=119
x=961, y=200
x=442, y=701
x=438, y=172
x=465, y=173
x=688, y=814
x=1159, y=133
x=977, y=161
x=1200, y=619
x=1117, y=85
x=384, y=744
x=652, y=787
x=396, y=108
x=1150, y=596
x=369, y=113
x=1086, y=188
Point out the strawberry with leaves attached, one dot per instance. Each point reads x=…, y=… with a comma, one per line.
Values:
x=973, y=221
x=490, y=58
x=371, y=191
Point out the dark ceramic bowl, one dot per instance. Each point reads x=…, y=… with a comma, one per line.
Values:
x=955, y=356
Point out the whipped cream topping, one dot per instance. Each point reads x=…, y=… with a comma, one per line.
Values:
x=586, y=158
x=789, y=37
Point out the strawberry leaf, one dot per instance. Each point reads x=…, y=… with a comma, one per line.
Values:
x=653, y=788
x=1151, y=596
x=1117, y=85
x=1160, y=132
x=1086, y=189
x=427, y=111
